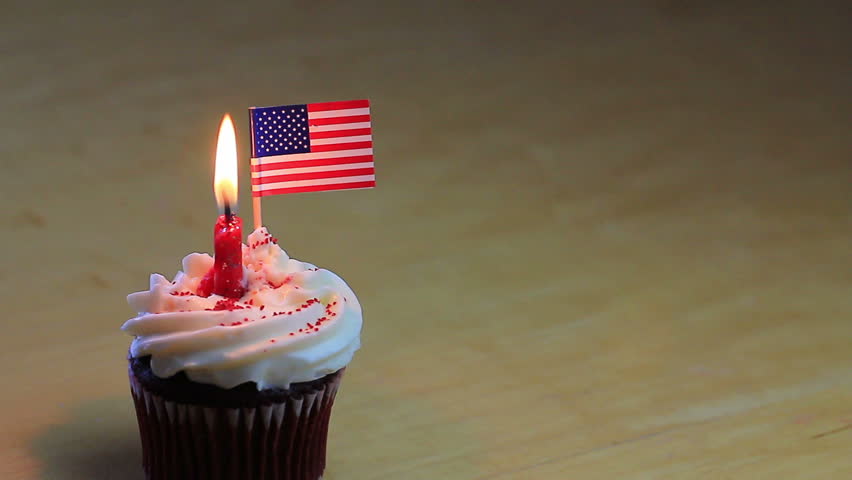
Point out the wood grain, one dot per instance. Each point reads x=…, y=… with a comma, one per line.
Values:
x=606, y=242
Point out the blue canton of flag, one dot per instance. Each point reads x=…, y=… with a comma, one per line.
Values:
x=280, y=130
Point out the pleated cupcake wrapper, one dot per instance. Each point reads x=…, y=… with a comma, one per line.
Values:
x=283, y=441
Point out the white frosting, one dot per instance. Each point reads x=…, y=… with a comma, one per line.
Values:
x=295, y=322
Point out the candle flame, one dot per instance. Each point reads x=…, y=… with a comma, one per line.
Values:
x=225, y=178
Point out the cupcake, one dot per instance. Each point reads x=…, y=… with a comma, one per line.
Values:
x=241, y=388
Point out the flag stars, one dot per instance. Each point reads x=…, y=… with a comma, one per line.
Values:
x=279, y=129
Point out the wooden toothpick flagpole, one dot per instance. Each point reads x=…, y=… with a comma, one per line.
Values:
x=255, y=201
x=255, y=206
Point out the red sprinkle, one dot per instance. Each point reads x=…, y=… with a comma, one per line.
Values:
x=228, y=304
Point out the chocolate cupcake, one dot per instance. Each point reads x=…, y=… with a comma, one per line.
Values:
x=240, y=388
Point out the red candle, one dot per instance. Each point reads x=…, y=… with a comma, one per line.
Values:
x=226, y=277
x=228, y=262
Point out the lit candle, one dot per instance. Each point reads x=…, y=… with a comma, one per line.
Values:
x=227, y=274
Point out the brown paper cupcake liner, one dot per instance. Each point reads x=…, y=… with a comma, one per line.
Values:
x=280, y=441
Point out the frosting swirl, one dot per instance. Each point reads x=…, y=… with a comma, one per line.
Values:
x=295, y=322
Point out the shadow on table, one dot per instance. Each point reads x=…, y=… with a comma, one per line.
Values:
x=99, y=439
x=99, y=442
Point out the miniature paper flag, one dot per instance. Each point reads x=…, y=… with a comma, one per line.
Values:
x=311, y=148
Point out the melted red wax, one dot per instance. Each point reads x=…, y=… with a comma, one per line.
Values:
x=205, y=288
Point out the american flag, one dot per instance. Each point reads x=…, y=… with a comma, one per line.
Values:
x=311, y=148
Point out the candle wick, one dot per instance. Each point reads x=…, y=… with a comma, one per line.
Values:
x=228, y=213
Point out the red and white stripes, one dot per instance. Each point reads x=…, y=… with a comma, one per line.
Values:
x=340, y=157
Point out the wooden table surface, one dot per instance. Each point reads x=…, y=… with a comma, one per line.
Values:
x=607, y=243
